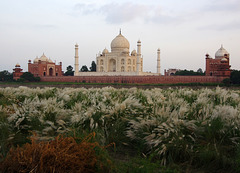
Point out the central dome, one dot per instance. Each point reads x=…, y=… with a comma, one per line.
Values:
x=220, y=53
x=119, y=43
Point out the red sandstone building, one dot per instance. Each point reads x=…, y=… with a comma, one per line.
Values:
x=218, y=66
x=17, y=72
x=44, y=66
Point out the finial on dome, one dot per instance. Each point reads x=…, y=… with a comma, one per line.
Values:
x=221, y=45
x=120, y=32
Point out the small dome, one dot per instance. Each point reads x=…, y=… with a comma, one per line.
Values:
x=105, y=51
x=220, y=53
x=43, y=58
x=134, y=53
x=36, y=60
x=17, y=65
x=119, y=43
x=49, y=60
x=158, y=49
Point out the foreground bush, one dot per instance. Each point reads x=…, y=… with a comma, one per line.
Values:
x=63, y=154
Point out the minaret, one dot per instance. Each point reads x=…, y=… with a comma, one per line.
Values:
x=76, y=61
x=138, y=56
x=158, y=62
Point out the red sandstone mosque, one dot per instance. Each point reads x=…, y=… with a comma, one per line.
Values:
x=218, y=66
x=44, y=66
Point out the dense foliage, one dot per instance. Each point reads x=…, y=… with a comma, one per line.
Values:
x=27, y=76
x=235, y=77
x=69, y=71
x=200, y=128
x=6, y=76
x=93, y=66
x=185, y=72
x=84, y=68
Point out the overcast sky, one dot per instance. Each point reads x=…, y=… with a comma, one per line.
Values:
x=184, y=30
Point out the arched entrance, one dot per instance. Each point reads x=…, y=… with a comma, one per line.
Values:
x=50, y=71
x=112, y=65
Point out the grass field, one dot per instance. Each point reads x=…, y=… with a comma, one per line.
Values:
x=135, y=130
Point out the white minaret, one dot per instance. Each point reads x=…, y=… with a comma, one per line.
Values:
x=158, y=62
x=138, y=56
x=76, y=61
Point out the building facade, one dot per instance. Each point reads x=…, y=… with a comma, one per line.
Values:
x=220, y=65
x=44, y=66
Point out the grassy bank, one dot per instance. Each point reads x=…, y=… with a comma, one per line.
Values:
x=162, y=130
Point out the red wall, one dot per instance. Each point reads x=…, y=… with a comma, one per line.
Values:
x=136, y=79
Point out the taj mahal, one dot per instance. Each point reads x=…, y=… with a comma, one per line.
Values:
x=118, y=62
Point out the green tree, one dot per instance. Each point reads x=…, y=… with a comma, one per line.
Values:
x=69, y=71
x=235, y=77
x=189, y=73
x=27, y=76
x=227, y=81
x=200, y=71
x=6, y=76
x=84, y=68
x=93, y=66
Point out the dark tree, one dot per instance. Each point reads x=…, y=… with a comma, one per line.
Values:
x=235, y=77
x=69, y=71
x=93, y=66
x=189, y=73
x=84, y=68
x=6, y=76
x=27, y=76
x=200, y=71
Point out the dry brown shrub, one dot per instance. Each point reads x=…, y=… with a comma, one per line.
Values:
x=63, y=154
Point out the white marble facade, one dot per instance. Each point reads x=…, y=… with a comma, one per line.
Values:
x=119, y=61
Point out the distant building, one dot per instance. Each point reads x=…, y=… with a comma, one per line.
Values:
x=44, y=66
x=17, y=72
x=220, y=65
x=170, y=72
x=119, y=61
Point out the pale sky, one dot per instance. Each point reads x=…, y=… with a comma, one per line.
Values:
x=184, y=30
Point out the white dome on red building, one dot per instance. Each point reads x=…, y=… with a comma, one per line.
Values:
x=220, y=53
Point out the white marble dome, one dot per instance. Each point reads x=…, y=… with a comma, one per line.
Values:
x=220, y=53
x=134, y=53
x=17, y=65
x=119, y=43
x=105, y=51
x=49, y=60
x=43, y=58
x=36, y=60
